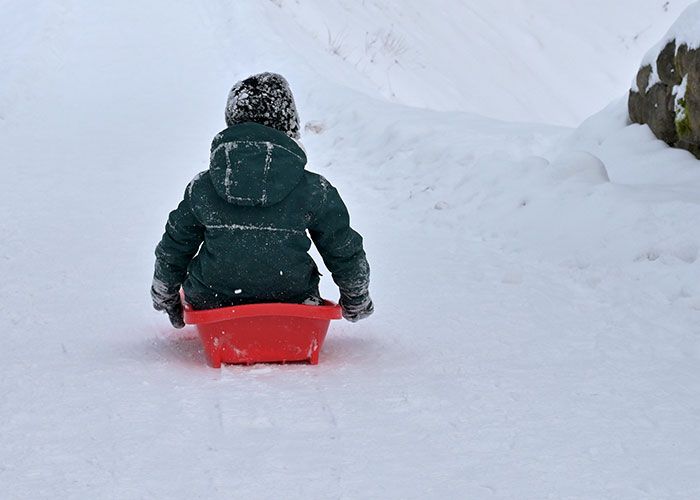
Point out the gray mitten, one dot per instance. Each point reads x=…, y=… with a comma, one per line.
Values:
x=356, y=307
x=166, y=298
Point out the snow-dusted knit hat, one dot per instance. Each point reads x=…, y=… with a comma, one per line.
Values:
x=266, y=99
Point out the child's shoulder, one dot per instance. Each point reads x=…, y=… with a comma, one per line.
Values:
x=319, y=190
x=317, y=180
x=199, y=179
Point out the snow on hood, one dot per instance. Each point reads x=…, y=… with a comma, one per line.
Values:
x=252, y=164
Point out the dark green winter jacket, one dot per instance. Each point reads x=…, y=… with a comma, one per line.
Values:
x=241, y=233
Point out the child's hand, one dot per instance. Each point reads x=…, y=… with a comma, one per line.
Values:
x=356, y=307
x=168, y=300
x=175, y=316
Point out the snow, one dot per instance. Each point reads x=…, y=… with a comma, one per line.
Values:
x=537, y=286
x=679, y=99
x=499, y=59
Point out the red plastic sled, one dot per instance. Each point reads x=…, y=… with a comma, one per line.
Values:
x=262, y=333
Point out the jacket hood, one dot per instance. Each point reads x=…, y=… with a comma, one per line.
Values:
x=252, y=164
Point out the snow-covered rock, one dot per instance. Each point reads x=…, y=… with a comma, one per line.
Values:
x=666, y=92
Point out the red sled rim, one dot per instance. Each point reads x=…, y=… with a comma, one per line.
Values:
x=329, y=310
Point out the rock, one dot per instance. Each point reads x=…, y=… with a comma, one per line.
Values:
x=666, y=96
x=654, y=107
x=666, y=65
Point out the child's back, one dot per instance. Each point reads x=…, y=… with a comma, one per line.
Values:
x=250, y=213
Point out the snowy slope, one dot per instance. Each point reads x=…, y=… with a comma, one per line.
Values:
x=534, y=61
x=536, y=286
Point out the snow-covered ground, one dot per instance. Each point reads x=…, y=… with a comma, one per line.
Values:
x=537, y=286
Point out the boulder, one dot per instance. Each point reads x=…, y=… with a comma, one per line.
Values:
x=666, y=93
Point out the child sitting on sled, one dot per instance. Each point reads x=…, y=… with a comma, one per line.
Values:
x=241, y=233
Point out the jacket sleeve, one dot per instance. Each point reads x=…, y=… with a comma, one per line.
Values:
x=180, y=243
x=339, y=245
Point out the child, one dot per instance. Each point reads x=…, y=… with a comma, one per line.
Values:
x=241, y=233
